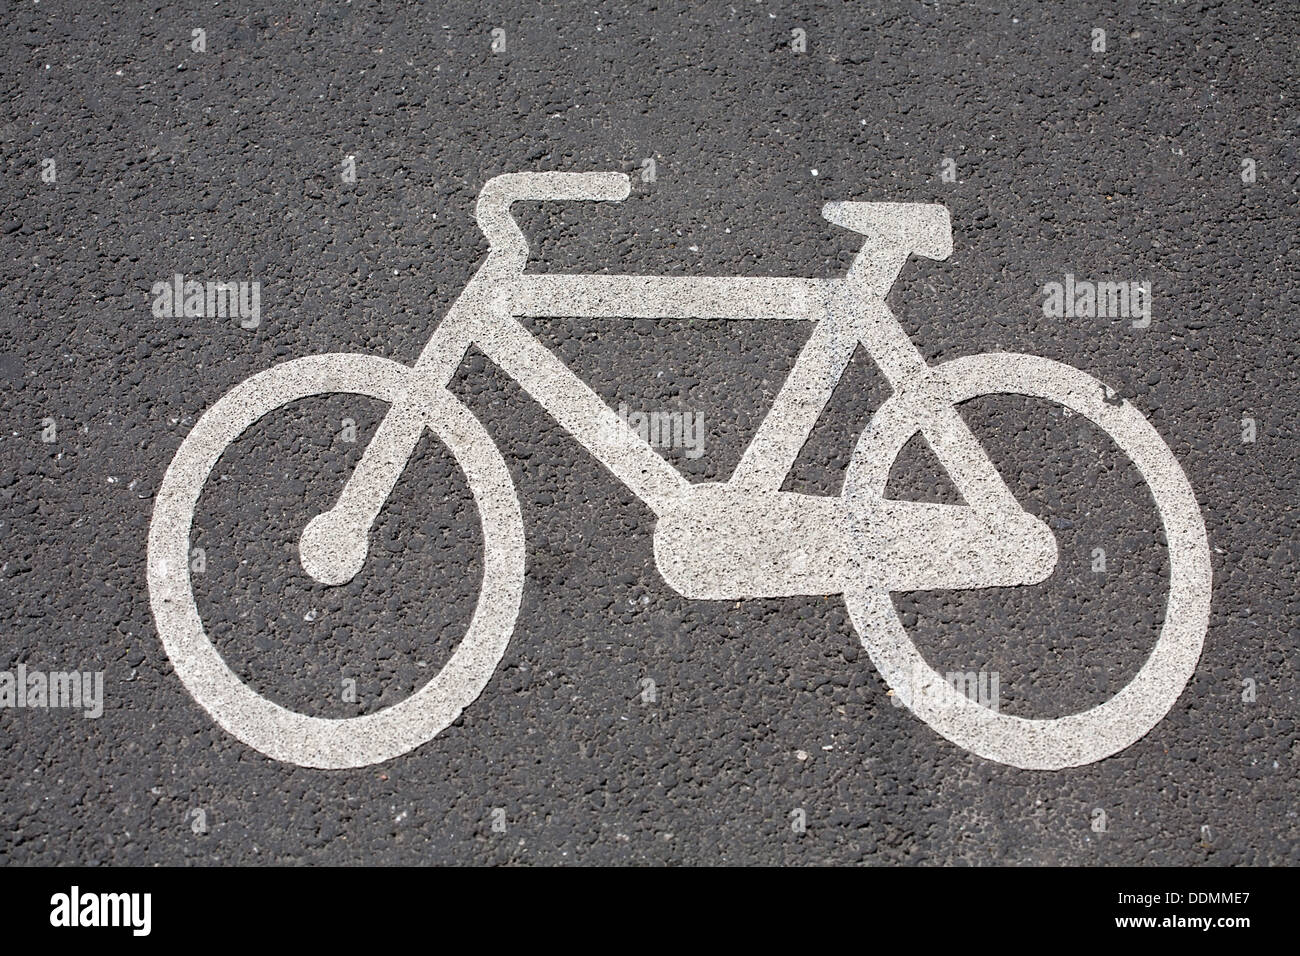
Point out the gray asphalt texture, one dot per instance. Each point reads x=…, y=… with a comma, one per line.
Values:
x=226, y=165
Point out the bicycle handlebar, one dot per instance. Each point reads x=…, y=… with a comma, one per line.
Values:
x=493, y=208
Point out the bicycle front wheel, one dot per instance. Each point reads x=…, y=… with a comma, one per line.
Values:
x=1103, y=730
x=260, y=723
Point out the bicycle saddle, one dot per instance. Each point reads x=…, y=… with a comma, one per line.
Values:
x=921, y=228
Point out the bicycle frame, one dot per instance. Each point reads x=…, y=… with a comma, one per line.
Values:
x=496, y=331
x=827, y=535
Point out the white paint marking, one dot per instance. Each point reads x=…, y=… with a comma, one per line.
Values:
x=740, y=538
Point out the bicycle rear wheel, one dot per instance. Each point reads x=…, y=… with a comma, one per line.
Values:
x=1100, y=731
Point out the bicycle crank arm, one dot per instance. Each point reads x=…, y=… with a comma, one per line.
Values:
x=726, y=543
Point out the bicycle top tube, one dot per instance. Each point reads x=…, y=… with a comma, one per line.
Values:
x=665, y=297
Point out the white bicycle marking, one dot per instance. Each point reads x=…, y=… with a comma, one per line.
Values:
x=740, y=538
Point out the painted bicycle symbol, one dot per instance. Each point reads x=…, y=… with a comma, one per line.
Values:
x=735, y=539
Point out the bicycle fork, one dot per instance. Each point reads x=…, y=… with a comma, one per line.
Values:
x=333, y=546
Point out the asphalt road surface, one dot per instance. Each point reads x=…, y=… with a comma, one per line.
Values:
x=333, y=159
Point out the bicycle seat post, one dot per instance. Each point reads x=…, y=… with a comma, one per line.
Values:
x=877, y=266
x=893, y=231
